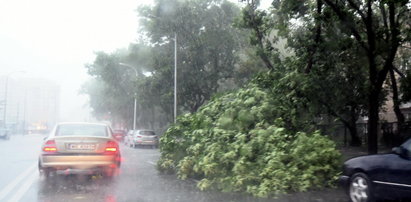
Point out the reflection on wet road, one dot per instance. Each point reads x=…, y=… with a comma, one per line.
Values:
x=138, y=180
x=76, y=188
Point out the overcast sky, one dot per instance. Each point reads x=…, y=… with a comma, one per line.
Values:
x=54, y=39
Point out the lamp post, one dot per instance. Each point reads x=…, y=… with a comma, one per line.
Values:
x=175, y=70
x=175, y=77
x=135, y=94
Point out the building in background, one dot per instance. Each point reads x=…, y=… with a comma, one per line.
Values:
x=32, y=105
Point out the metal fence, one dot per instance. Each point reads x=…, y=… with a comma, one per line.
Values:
x=389, y=134
x=341, y=135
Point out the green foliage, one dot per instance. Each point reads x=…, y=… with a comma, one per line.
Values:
x=237, y=143
x=209, y=53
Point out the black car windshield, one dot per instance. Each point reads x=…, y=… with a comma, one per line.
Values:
x=81, y=130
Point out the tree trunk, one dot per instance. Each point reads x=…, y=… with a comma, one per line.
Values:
x=351, y=124
x=373, y=122
x=396, y=101
x=355, y=140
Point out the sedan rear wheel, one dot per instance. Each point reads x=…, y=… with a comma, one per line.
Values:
x=360, y=188
x=111, y=172
x=48, y=173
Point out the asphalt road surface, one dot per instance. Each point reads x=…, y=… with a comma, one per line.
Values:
x=138, y=181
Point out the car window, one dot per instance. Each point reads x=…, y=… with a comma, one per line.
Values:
x=81, y=130
x=146, y=133
x=119, y=131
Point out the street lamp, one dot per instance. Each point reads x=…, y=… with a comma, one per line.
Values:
x=135, y=94
x=5, y=96
x=175, y=70
x=175, y=77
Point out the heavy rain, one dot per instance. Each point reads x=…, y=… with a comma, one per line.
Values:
x=205, y=100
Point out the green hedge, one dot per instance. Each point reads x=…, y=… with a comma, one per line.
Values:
x=236, y=143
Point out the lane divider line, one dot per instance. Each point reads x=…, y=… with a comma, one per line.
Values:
x=6, y=190
x=23, y=189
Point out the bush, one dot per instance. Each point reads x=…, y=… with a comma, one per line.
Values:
x=237, y=143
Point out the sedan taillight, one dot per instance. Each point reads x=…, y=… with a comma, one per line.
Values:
x=111, y=147
x=50, y=146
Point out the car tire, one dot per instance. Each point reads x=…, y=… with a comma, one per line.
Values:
x=360, y=188
x=47, y=173
x=118, y=159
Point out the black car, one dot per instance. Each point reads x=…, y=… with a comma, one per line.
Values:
x=380, y=176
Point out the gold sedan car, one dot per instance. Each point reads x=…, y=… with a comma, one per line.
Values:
x=80, y=148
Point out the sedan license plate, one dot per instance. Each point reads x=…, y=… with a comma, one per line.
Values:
x=82, y=146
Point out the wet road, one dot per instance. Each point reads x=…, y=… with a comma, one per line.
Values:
x=138, y=180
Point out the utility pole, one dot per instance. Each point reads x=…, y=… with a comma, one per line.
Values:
x=175, y=77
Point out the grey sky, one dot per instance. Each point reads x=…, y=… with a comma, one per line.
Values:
x=54, y=39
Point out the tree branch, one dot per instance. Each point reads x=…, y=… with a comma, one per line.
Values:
x=317, y=37
x=402, y=75
x=260, y=37
x=384, y=17
x=356, y=8
x=344, y=19
x=393, y=46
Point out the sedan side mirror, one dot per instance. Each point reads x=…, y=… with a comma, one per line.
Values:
x=401, y=151
x=397, y=150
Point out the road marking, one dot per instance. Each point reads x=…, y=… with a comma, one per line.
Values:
x=5, y=191
x=23, y=189
x=152, y=163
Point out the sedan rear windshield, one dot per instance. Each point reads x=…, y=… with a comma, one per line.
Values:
x=81, y=130
x=146, y=133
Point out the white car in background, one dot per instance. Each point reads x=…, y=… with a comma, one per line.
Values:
x=142, y=137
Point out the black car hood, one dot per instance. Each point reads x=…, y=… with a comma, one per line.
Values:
x=369, y=162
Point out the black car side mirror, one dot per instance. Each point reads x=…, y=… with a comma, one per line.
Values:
x=400, y=151
x=396, y=150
